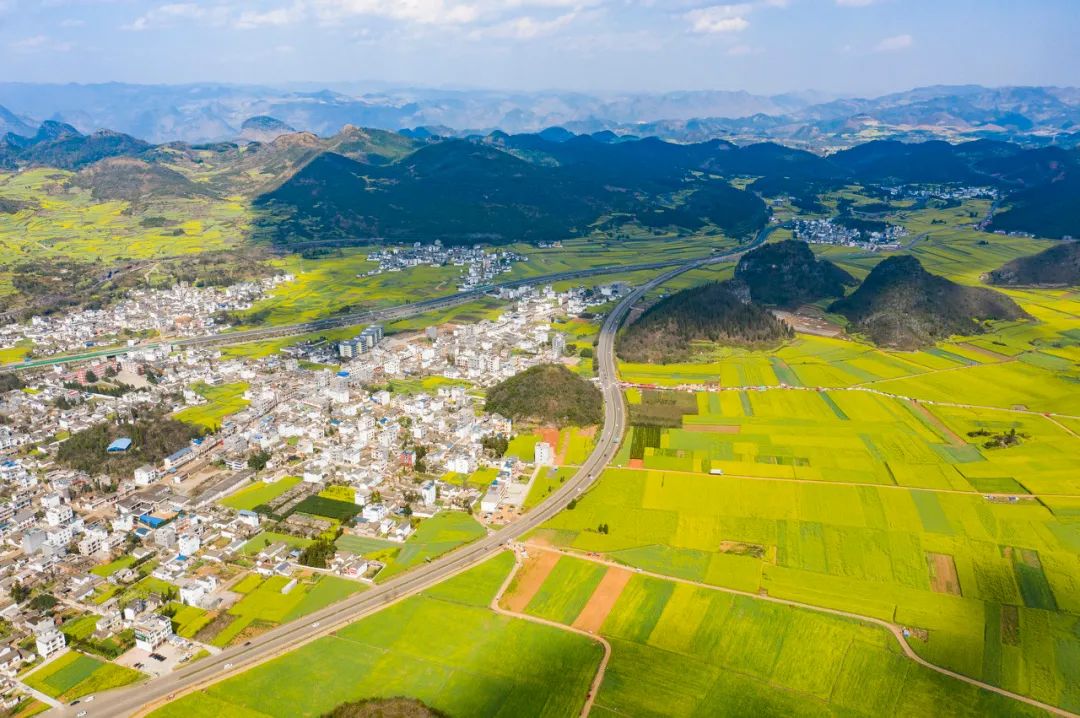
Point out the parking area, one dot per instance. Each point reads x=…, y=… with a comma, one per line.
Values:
x=166, y=658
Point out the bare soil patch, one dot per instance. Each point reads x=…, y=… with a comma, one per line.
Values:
x=943, y=578
x=713, y=428
x=988, y=353
x=529, y=580
x=607, y=592
x=740, y=548
x=1010, y=625
x=953, y=438
x=806, y=321
x=551, y=436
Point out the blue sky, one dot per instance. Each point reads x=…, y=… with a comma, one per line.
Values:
x=763, y=46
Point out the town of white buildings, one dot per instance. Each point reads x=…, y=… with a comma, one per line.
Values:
x=183, y=311
x=387, y=429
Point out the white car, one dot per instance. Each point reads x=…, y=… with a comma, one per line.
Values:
x=228, y=666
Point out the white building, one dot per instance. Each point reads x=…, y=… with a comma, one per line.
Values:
x=543, y=454
x=57, y=515
x=48, y=638
x=187, y=544
x=146, y=475
x=428, y=493
x=152, y=631
x=493, y=497
x=195, y=590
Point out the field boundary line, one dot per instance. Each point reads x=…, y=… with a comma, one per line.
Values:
x=892, y=628
x=594, y=688
x=851, y=484
x=854, y=387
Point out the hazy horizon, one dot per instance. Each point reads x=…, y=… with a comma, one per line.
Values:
x=763, y=47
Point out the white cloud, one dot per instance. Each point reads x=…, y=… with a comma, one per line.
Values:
x=894, y=43
x=720, y=19
x=422, y=12
x=276, y=17
x=165, y=15
x=525, y=27
x=39, y=43
x=855, y=3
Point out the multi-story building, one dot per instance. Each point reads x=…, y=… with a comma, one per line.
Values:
x=152, y=631
x=48, y=638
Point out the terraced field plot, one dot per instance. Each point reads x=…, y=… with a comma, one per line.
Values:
x=444, y=647
x=684, y=650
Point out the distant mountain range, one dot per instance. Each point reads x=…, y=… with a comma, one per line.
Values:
x=363, y=183
x=209, y=112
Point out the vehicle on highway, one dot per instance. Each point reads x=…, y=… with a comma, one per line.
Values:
x=227, y=666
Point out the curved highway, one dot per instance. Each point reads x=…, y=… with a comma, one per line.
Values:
x=151, y=693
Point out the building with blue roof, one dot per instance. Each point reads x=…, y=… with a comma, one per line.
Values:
x=119, y=446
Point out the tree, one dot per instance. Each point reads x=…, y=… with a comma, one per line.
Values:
x=91, y=377
x=258, y=460
x=19, y=593
x=586, y=353
x=43, y=602
x=318, y=554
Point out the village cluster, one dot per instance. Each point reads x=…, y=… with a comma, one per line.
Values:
x=381, y=430
x=479, y=267
x=826, y=231
x=182, y=311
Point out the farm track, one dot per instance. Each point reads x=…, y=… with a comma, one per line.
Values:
x=594, y=688
x=894, y=629
x=143, y=697
x=854, y=484
x=857, y=387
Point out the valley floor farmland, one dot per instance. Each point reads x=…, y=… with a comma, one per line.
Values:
x=680, y=649
x=445, y=647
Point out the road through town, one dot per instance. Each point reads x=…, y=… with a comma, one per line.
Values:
x=208, y=670
x=138, y=698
